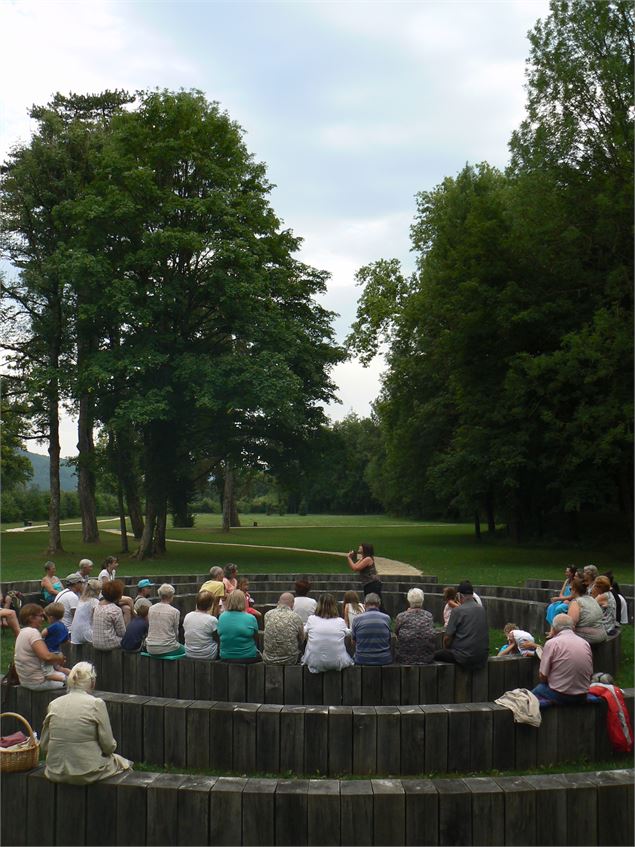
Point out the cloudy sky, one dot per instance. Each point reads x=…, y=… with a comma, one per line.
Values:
x=354, y=106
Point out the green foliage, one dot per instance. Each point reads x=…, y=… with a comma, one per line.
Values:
x=15, y=467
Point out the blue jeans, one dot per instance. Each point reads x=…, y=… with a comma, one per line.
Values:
x=555, y=698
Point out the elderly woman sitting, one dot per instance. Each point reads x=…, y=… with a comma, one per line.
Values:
x=586, y=614
x=601, y=592
x=415, y=632
x=77, y=736
x=162, y=640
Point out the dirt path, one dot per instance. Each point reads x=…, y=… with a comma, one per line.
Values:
x=384, y=566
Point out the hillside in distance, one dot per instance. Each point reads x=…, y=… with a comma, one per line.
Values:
x=40, y=478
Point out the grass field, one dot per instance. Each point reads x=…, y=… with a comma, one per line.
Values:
x=448, y=550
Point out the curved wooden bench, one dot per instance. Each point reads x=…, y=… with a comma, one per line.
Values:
x=177, y=809
x=338, y=740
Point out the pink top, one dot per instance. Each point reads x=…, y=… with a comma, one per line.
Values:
x=230, y=585
x=567, y=663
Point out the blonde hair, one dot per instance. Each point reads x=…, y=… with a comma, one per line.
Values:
x=509, y=627
x=91, y=589
x=82, y=676
x=54, y=611
x=166, y=590
x=236, y=601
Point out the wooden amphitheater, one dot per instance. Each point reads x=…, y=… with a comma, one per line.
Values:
x=343, y=752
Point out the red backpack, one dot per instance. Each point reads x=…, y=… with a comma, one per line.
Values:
x=618, y=722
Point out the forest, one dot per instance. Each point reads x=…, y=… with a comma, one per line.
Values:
x=154, y=292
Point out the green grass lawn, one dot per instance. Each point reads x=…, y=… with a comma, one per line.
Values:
x=448, y=550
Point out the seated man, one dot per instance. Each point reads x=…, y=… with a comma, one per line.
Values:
x=466, y=639
x=85, y=567
x=216, y=588
x=144, y=589
x=284, y=633
x=566, y=665
x=370, y=634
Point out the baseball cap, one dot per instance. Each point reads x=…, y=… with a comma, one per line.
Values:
x=465, y=588
x=73, y=579
x=145, y=583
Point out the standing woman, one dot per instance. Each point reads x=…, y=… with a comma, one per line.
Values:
x=365, y=567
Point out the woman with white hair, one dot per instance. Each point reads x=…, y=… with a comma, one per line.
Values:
x=415, y=632
x=77, y=737
x=162, y=639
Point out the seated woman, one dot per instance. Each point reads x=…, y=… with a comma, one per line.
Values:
x=352, y=607
x=50, y=583
x=137, y=629
x=8, y=617
x=82, y=632
x=162, y=639
x=414, y=629
x=450, y=598
x=37, y=668
x=77, y=737
x=326, y=635
x=238, y=631
x=230, y=580
x=601, y=592
x=560, y=605
x=586, y=614
x=200, y=629
x=108, y=623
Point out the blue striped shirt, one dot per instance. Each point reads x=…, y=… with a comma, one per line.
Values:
x=371, y=634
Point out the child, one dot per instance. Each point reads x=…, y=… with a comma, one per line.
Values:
x=54, y=635
x=519, y=641
x=451, y=602
x=137, y=629
x=243, y=585
x=352, y=607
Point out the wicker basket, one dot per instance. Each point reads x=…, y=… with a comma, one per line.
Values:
x=14, y=761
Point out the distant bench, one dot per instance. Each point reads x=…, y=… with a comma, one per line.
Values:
x=177, y=809
x=388, y=685
x=338, y=740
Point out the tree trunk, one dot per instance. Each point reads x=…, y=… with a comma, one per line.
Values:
x=146, y=544
x=122, y=518
x=489, y=510
x=477, y=525
x=228, y=496
x=625, y=487
x=160, y=528
x=55, y=535
x=134, y=507
x=126, y=473
x=86, y=474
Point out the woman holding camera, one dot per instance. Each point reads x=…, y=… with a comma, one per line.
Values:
x=365, y=567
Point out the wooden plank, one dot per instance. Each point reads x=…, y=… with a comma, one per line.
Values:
x=389, y=801
x=371, y=685
x=153, y=736
x=459, y=737
x=352, y=686
x=131, y=741
x=101, y=830
x=129, y=664
x=455, y=812
x=488, y=811
x=155, y=676
x=292, y=686
x=340, y=744
x=236, y=683
x=481, y=737
x=547, y=737
x=323, y=812
x=132, y=799
x=495, y=678
x=163, y=819
x=259, y=812
x=422, y=812
x=436, y=739
x=198, y=734
x=185, y=668
x=292, y=739
x=390, y=685
x=582, y=809
x=551, y=801
x=268, y=737
x=42, y=808
x=412, y=739
x=356, y=802
x=291, y=804
x=364, y=740
x=244, y=736
x=316, y=739
x=462, y=685
x=221, y=736
x=256, y=683
x=218, y=681
x=615, y=792
x=274, y=684
x=171, y=680
x=14, y=801
x=504, y=735
x=480, y=678
x=409, y=686
x=520, y=810
x=445, y=682
x=332, y=688
x=225, y=811
x=388, y=740
x=526, y=746
x=193, y=800
x=312, y=684
x=175, y=732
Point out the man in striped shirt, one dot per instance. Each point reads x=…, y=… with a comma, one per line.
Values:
x=371, y=634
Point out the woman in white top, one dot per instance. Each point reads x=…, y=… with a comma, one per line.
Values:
x=82, y=631
x=352, y=607
x=326, y=632
x=163, y=625
x=200, y=628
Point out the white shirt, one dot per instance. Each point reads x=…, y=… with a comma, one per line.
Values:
x=304, y=606
x=326, y=649
x=83, y=621
x=105, y=575
x=477, y=598
x=199, y=628
x=70, y=601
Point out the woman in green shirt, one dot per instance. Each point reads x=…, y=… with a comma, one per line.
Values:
x=238, y=631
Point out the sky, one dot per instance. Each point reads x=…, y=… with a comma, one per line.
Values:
x=353, y=106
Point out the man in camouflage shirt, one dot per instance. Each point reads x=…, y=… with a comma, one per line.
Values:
x=284, y=633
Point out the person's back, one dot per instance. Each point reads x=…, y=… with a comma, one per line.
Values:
x=284, y=631
x=137, y=629
x=163, y=628
x=469, y=633
x=371, y=633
